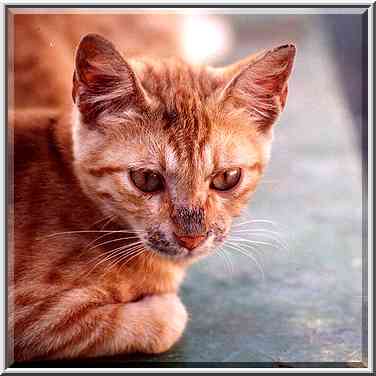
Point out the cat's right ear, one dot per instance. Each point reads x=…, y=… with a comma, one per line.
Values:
x=103, y=81
x=259, y=84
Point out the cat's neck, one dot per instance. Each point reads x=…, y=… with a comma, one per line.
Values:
x=151, y=274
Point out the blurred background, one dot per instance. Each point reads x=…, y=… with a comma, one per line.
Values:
x=297, y=294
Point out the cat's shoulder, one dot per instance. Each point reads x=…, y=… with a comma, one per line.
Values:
x=32, y=132
x=28, y=122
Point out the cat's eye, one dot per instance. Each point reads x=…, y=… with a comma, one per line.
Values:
x=146, y=180
x=226, y=179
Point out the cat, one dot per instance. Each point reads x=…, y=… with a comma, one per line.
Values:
x=115, y=199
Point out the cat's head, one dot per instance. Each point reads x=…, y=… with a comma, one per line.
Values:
x=174, y=151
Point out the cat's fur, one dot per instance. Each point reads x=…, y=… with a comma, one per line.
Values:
x=42, y=47
x=72, y=171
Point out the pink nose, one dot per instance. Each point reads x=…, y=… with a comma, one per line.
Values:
x=190, y=242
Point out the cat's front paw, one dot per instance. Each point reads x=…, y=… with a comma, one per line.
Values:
x=169, y=319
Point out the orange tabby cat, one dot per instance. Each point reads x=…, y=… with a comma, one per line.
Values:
x=114, y=201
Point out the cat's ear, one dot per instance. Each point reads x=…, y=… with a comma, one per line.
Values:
x=103, y=80
x=259, y=84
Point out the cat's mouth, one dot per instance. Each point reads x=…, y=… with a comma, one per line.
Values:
x=180, y=247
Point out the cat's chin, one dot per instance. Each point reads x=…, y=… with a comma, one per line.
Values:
x=182, y=256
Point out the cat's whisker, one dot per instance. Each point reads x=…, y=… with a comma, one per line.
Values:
x=128, y=260
x=220, y=255
x=98, y=221
x=111, y=241
x=255, y=221
x=129, y=252
x=124, y=256
x=272, y=236
x=131, y=232
x=104, y=219
x=247, y=253
x=112, y=254
x=113, y=251
x=250, y=256
x=122, y=252
x=262, y=233
x=87, y=231
x=257, y=231
x=243, y=240
x=96, y=239
x=251, y=230
x=108, y=222
x=228, y=261
x=228, y=255
x=133, y=256
x=256, y=248
x=253, y=248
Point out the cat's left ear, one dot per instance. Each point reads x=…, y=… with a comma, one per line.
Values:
x=103, y=80
x=259, y=84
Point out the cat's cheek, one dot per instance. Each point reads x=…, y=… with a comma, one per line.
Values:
x=98, y=190
x=117, y=192
x=216, y=211
x=144, y=215
x=233, y=202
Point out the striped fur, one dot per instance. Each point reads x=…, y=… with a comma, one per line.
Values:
x=185, y=122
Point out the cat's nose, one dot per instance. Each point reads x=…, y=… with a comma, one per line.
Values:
x=190, y=242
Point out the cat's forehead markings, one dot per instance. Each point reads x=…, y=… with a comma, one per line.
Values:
x=231, y=150
x=208, y=156
x=171, y=160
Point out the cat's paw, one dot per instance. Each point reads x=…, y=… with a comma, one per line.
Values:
x=169, y=319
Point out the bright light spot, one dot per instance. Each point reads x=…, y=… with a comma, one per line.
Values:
x=314, y=323
x=205, y=38
x=356, y=262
